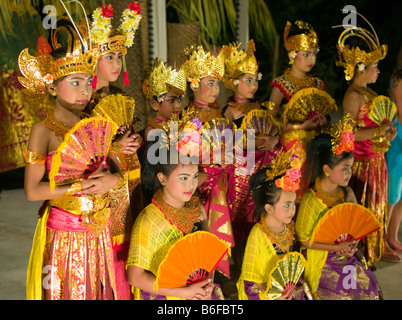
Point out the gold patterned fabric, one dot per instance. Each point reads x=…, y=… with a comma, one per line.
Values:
x=151, y=238
x=17, y=117
x=310, y=212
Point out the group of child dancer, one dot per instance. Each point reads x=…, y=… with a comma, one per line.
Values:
x=306, y=164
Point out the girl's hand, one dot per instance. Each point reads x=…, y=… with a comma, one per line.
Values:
x=100, y=182
x=198, y=291
x=129, y=142
x=322, y=120
x=266, y=143
x=286, y=296
x=346, y=248
x=310, y=124
x=390, y=132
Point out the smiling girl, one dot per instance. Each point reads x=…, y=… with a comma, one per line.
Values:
x=174, y=212
x=328, y=171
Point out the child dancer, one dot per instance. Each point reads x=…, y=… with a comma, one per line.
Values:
x=67, y=260
x=328, y=171
x=273, y=235
x=164, y=89
x=301, y=43
x=173, y=213
x=370, y=177
x=113, y=45
x=242, y=76
x=203, y=72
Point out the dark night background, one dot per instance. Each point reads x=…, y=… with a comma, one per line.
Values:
x=385, y=17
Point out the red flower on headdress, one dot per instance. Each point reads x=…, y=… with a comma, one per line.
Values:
x=346, y=143
x=107, y=10
x=135, y=6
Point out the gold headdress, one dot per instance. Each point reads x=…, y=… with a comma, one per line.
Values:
x=200, y=64
x=350, y=57
x=303, y=41
x=44, y=69
x=238, y=62
x=288, y=166
x=342, y=135
x=183, y=132
x=162, y=80
x=108, y=39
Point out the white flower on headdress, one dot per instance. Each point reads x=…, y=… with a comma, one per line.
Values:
x=130, y=21
x=48, y=78
x=236, y=82
x=293, y=54
x=361, y=67
x=259, y=76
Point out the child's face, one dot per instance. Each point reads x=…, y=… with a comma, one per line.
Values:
x=109, y=66
x=247, y=87
x=372, y=72
x=181, y=183
x=305, y=59
x=74, y=91
x=208, y=90
x=285, y=209
x=341, y=173
x=171, y=104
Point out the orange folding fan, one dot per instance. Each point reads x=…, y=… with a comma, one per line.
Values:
x=191, y=259
x=345, y=222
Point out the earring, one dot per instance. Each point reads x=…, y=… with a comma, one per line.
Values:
x=163, y=183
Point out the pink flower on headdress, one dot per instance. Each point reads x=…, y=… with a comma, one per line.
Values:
x=135, y=6
x=290, y=181
x=107, y=10
x=190, y=144
x=346, y=143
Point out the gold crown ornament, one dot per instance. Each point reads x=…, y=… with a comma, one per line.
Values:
x=199, y=64
x=184, y=133
x=342, y=134
x=162, y=80
x=43, y=69
x=284, y=170
x=302, y=41
x=238, y=62
x=352, y=56
x=108, y=39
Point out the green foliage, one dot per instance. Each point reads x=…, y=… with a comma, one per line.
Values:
x=217, y=19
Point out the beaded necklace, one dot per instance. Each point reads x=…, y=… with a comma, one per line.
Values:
x=283, y=240
x=60, y=129
x=184, y=219
x=329, y=199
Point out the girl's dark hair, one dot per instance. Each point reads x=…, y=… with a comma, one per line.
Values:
x=264, y=192
x=295, y=30
x=319, y=153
